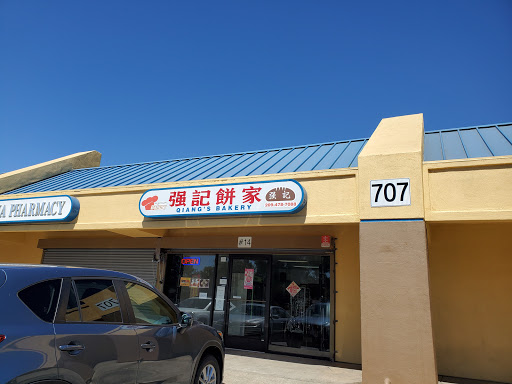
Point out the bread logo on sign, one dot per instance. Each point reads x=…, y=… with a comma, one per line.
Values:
x=280, y=194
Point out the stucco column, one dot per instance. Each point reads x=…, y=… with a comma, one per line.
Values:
x=396, y=327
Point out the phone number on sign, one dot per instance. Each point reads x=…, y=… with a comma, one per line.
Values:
x=285, y=204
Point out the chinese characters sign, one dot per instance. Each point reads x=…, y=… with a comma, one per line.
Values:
x=285, y=196
x=326, y=242
x=293, y=289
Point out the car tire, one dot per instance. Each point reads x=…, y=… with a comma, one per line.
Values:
x=208, y=371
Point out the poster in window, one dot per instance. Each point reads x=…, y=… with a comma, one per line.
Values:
x=185, y=282
x=249, y=278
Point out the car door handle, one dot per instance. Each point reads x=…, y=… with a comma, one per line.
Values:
x=72, y=348
x=149, y=346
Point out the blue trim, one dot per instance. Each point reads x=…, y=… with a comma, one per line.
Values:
x=388, y=220
x=73, y=212
x=296, y=209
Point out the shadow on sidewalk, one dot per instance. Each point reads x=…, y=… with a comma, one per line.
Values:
x=291, y=359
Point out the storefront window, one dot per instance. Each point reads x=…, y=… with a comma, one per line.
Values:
x=190, y=284
x=279, y=302
x=300, y=303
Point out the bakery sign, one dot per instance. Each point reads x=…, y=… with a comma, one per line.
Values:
x=260, y=198
x=39, y=209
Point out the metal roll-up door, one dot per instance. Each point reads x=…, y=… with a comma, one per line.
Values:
x=137, y=262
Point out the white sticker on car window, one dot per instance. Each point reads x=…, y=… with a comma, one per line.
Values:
x=105, y=305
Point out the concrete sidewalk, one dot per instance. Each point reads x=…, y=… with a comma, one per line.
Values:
x=245, y=367
x=259, y=368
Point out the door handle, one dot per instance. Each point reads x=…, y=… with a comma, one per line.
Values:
x=73, y=349
x=149, y=346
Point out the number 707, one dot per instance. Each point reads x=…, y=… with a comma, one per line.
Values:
x=389, y=191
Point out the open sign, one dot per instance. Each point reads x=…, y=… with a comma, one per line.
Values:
x=191, y=261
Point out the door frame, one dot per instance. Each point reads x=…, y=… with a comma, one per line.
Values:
x=241, y=342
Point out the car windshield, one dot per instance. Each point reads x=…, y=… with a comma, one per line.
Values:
x=195, y=302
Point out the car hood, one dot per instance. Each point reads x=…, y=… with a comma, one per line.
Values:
x=190, y=310
x=313, y=320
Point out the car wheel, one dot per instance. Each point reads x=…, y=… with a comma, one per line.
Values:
x=208, y=371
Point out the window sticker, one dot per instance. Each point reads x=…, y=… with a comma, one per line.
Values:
x=248, y=278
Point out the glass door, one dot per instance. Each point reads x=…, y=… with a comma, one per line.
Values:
x=247, y=325
x=190, y=283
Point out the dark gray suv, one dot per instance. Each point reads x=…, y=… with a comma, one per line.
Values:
x=61, y=325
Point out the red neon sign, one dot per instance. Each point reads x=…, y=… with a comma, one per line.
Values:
x=191, y=261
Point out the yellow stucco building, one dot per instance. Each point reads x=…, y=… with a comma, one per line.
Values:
x=392, y=252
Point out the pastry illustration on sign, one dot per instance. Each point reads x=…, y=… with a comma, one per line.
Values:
x=280, y=194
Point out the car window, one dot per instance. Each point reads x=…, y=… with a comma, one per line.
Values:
x=42, y=298
x=148, y=307
x=72, y=310
x=98, y=301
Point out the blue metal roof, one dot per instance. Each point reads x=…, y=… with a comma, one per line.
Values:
x=469, y=142
x=458, y=143
x=339, y=154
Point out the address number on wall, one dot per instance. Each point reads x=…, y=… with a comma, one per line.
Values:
x=245, y=242
x=390, y=192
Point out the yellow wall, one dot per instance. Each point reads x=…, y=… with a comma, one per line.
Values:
x=470, y=189
x=471, y=293
x=394, y=151
x=348, y=299
x=20, y=248
x=397, y=342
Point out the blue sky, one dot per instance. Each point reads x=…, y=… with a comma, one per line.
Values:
x=152, y=80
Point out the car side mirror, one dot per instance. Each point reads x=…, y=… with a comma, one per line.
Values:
x=186, y=320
